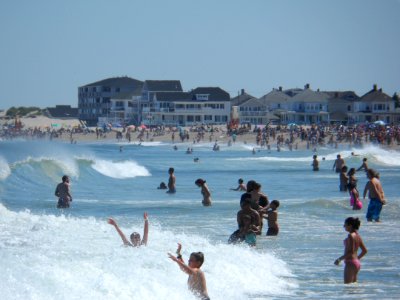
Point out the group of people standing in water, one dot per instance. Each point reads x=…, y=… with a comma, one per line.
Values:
x=255, y=207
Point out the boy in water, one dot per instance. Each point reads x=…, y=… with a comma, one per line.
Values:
x=315, y=163
x=248, y=232
x=241, y=186
x=135, y=236
x=171, y=181
x=272, y=217
x=197, y=280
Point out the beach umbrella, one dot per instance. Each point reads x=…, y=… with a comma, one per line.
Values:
x=131, y=127
x=379, y=122
x=143, y=126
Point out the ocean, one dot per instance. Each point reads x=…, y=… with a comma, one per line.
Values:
x=47, y=253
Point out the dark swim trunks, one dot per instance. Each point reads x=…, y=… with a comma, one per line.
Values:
x=272, y=231
x=63, y=203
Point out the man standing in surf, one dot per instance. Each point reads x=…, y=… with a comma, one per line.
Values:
x=63, y=193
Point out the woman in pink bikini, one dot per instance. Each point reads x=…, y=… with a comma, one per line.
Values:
x=351, y=245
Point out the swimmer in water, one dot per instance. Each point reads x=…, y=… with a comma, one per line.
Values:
x=135, y=240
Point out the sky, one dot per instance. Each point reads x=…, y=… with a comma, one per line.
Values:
x=51, y=47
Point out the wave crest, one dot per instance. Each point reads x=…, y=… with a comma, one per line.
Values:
x=120, y=170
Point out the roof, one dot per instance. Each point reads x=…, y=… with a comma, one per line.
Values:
x=292, y=92
x=62, y=111
x=239, y=99
x=253, y=102
x=376, y=95
x=163, y=85
x=116, y=81
x=173, y=96
x=309, y=95
x=275, y=96
x=345, y=95
x=214, y=93
x=123, y=96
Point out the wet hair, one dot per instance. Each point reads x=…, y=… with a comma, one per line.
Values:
x=257, y=186
x=171, y=170
x=338, y=156
x=198, y=256
x=314, y=156
x=372, y=173
x=276, y=203
x=364, y=159
x=65, y=178
x=245, y=199
x=240, y=180
x=344, y=169
x=133, y=234
x=353, y=222
x=352, y=171
x=250, y=185
x=200, y=181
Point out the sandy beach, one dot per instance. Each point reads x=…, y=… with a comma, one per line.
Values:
x=218, y=134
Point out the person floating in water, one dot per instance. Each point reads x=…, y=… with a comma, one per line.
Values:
x=241, y=186
x=171, y=181
x=364, y=165
x=197, y=280
x=135, y=236
x=351, y=245
x=162, y=186
x=63, y=193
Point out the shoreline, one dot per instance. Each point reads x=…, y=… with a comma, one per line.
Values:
x=219, y=136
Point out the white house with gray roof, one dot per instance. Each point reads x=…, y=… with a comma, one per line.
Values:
x=203, y=105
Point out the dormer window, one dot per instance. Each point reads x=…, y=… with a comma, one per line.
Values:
x=202, y=97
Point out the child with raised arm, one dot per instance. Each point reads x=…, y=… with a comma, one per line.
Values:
x=272, y=217
x=197, y=280
x=135, y=236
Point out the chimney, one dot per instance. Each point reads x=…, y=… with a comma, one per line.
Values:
x=307, y=86
x=242, y=91
x=375, y=87
x=280, y=89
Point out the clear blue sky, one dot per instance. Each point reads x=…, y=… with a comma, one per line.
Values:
x=50, y=47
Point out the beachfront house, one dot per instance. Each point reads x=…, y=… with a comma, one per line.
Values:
x=374, y=106
x=341, y=106
x=300, y=106
x=94, y=99
x=147, y=101
x=203, y=105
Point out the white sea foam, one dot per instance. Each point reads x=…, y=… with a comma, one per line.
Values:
x=5, y=170
x=59, y=257
x=123, y=169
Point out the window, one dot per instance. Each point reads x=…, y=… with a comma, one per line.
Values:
x=348, y=107
x=202, y=97
x=207, y=118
